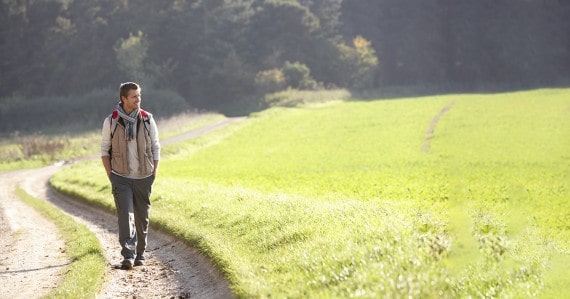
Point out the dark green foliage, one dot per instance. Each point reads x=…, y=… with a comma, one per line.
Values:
x=466, y=44
x=76, y=113
x=298, y=75
x=210, y=52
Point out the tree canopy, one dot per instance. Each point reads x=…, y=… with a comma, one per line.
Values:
x=212, y=52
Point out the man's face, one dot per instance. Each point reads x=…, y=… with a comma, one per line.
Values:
x=132, y=101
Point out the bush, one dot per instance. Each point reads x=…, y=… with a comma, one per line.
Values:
x=34, y=147
x=269, y=81
x=358, y=64
x=298, y=76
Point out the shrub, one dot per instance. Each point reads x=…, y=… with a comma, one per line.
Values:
x=33, y=147
x=358, y=64
x=37, y=145
x=298, y=75
x=269, y=81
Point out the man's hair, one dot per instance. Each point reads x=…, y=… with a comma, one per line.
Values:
x=125, y=87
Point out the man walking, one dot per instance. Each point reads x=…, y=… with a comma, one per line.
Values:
x=130, y=151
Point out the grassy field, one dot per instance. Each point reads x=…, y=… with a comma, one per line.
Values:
x=36, y=150
x=444, y=196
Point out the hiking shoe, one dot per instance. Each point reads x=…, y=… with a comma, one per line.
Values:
x=139, y=261
x=127, y=265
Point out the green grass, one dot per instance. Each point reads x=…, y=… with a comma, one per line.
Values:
x=84, y=277
x=37, y=150
x=342, y=199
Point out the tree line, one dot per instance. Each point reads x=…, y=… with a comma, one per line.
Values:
x=212, y=52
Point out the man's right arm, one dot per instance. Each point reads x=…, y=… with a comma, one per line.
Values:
x=107, y=164
x=106, y=146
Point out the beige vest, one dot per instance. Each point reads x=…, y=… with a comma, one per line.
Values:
x=119, y=153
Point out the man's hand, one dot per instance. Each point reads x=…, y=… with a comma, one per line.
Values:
x=155, y=172
x=107, y=164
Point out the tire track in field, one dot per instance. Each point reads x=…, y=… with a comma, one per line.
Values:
x=431, y=129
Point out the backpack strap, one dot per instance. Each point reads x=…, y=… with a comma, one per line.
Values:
x=114, y=118
x=146, y=120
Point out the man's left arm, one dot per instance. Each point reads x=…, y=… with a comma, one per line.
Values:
x=155, y=145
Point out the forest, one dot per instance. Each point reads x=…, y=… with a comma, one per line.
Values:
x=217, y=52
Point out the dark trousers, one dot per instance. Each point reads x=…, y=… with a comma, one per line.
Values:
x=132, y=200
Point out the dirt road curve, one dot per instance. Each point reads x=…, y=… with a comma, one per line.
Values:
x=31, y=255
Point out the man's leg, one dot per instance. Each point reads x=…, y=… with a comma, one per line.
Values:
x=123, y=195
x=142, y=190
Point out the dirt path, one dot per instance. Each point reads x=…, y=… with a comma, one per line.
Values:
x=201, y=131
x=31, y=257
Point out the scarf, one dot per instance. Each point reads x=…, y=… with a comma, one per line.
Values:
x=130, y=121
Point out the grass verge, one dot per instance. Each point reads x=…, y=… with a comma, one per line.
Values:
x=84, y=277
